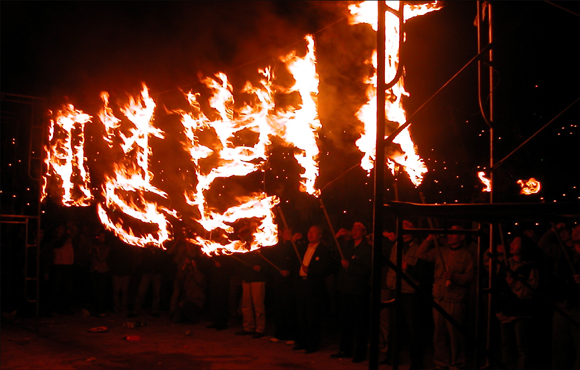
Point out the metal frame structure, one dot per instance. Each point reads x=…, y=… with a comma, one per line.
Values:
x=31, y=222
x=481, y=213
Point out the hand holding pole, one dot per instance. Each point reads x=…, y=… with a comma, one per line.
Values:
x=292, y=240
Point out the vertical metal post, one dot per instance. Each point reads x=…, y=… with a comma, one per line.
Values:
x=394, y=326
x=378, y=194
x=489, y=120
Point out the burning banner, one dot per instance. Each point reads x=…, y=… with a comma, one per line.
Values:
x=132, y=206
x=225, y=141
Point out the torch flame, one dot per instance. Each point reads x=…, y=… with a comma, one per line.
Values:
x=485, y=181
x=366, y=12
x=531, y=186
x=65, y=156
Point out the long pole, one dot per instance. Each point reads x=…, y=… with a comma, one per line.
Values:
x=378, y=190
x=270, y=262
x=292, y=240
x=437, y=246
x=561, y=243
x=331, y=229
x=505, y=257
x=245, y=263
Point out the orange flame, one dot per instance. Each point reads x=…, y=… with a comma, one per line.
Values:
x=65, y=156
x=531, y=186
x=366, y=12
x=110, y=122
x=129, y=189
x=297, y=127
x=485, y=181
x=301, y=126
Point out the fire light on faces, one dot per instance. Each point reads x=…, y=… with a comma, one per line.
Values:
x=129, y=191
x=485, y=181
x=297, y=128
x=366, y=12
x=65, y=159
x=531, y=186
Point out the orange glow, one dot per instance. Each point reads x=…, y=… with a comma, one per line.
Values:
x=531, y=186
x=366, y=12
x=65, y=158
x=485, y=181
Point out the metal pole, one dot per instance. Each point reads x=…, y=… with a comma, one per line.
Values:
x=378, y=190
x=489, y=120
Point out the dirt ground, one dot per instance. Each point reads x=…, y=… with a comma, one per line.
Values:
x=64, y=342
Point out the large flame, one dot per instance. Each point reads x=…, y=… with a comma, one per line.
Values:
x=129, y=191
x=366, y=12
x=297, y=127
x=531, y=186
x=485, y=181
x=65, y=158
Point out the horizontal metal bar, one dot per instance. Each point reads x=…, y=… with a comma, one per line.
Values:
x=18, y=216
x=444, y=231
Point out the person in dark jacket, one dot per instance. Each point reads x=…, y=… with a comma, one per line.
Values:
x=284, y=257
x=311, y=291
x=151, y=268
x=122, y=268
x=354, y=294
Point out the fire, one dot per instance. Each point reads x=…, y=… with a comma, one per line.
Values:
x=366, y=12
x=130, y=189
x=301, y=125
x=297, y=127
x=110, y=122
x=531, y=186
x=65, y=156
x=485, y=181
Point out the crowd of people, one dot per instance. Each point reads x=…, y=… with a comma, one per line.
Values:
x=298, y=285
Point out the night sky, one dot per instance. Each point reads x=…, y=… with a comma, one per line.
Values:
x=71, y=51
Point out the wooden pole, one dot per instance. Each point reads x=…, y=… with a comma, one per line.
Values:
x=292, y=240
x=270, y=262
x=505, y=256
x=561, y=243
x=430, y=220
x=234, y=257
x=331, y=229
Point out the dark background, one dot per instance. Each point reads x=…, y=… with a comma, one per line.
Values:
x=71, y=51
